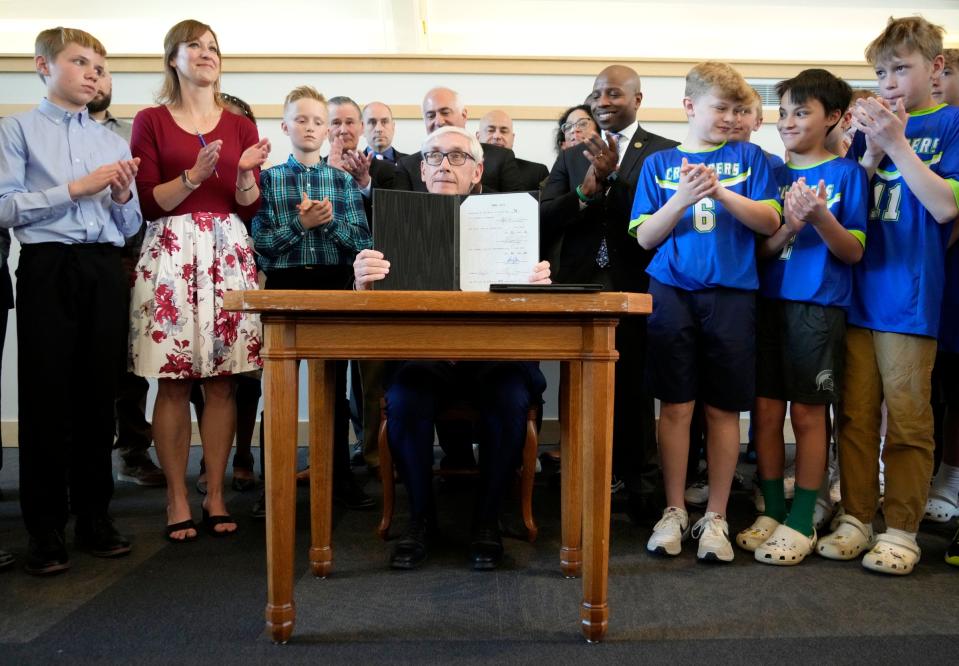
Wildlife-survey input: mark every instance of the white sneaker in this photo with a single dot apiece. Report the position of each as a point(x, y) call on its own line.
point(698, 493)
point(670, 532)
point(786, 547)
point(892, 554)
point(713, 534)
point(849, 540)
point(754, 535)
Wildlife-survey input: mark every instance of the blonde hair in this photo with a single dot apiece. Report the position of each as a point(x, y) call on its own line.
point(708, 76)
point(184, 31)
point(52, 41)
point(303, 92)
point(952, 57)
point(905, 35)
point(860, 93)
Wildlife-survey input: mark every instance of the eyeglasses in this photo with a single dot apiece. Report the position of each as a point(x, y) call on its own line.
point(580, 124)
point(455, 157)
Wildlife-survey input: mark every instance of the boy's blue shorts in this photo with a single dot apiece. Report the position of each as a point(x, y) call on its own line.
point(702, 346)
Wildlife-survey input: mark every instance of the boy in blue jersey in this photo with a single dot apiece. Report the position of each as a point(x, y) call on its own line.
point(805, 288)
point(943, 502)
point(700, 205)
point(910, 149)
point(750, 120)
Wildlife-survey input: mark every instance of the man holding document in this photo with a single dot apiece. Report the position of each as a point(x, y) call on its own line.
point(417, 390)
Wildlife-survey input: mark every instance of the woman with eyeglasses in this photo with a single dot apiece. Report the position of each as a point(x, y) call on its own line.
point(575, 126)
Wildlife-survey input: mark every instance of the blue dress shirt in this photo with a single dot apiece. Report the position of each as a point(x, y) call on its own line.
point(41, 152)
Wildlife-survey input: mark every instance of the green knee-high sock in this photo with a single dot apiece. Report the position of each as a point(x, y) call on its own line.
point(775, 496)
point(801, 512)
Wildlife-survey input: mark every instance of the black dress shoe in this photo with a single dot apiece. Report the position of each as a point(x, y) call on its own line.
point(6, 560)
point(486, 548)
point(410, 551)
point(100, 538)
point(47, 554)
point(259, 507)
point(348, 493)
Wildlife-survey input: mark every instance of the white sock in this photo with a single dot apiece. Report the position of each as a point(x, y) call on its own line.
point(946, 482)
point(892, 531)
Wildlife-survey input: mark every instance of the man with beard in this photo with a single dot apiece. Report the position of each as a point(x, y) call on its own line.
point(134, 433)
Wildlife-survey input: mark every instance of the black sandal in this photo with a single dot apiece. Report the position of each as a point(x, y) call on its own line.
point(210, 523)
point(179, 527)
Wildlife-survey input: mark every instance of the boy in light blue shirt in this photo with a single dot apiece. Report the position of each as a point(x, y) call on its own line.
point(67, 191)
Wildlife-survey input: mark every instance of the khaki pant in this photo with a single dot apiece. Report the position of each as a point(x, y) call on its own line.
point(897, 368)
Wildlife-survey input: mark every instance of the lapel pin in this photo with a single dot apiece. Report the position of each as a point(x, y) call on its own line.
point(638, 144)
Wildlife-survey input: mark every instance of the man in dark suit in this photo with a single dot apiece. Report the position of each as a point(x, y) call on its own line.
point(369, 173)
point(442, 107)
point(586, 205)
point(379, 128)
point(496, 129)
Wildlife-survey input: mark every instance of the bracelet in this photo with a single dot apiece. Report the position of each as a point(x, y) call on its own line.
point(246, 189)
point(582, 197)
point(189, 184)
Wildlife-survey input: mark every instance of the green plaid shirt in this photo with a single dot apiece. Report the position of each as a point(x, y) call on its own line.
point(281, 240)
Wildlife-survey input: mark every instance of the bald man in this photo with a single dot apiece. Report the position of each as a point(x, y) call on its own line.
point(586, 204)
point(442, 107)
point(496, 129)
point(379, 128)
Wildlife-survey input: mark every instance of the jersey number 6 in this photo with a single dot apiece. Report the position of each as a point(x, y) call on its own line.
point(704, 215)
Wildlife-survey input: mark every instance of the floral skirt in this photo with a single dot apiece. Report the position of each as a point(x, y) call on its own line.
point(178, 327)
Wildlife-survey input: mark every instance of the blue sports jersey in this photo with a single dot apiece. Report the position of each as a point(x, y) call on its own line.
point(806, 270)
point(949, 324)
point(897, 287)
point(775, 161)
point(708, 247)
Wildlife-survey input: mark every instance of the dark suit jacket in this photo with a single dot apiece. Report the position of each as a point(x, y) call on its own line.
point(532, 174)
point(581, 231)
point(382, 176)
point(396, 153)
point(500, 172)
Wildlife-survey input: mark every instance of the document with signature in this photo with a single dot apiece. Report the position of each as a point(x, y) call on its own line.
point(498, 239)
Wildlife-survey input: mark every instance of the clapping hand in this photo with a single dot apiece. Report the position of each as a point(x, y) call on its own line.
point(313, 213)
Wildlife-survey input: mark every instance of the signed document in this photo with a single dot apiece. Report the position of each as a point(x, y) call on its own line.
point(498, 239)
point(442, 242)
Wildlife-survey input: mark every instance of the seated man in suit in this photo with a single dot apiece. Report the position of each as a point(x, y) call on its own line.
point(369, 173)
point(496, 129)
point(379, 128)
point(417, 390)
point(442, 107)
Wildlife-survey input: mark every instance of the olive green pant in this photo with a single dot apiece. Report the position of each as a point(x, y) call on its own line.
point(896, 368)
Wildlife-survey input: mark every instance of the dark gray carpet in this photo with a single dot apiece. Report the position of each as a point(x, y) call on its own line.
point(205, 600)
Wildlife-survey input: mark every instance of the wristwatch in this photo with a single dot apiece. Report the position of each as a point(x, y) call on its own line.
point(190, 185)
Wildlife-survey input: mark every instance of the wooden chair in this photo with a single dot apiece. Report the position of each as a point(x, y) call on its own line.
point(462, 412)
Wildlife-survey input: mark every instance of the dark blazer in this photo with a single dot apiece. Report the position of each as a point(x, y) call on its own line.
point(580, 232)
point(532, 174)
point(396, 154)
point(382, 175)
point(500, 171)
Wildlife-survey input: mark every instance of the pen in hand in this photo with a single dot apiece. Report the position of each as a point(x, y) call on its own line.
point(203, 145)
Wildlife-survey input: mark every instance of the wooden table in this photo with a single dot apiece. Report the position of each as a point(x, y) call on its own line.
point(326, 326)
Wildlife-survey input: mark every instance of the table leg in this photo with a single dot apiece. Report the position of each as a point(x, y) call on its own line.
point(571, 461)
point(597, 473)
point(280, 408)
point(322, 399)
